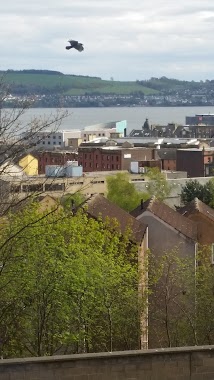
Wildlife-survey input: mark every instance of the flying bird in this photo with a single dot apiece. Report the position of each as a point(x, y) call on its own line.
point(76, 45)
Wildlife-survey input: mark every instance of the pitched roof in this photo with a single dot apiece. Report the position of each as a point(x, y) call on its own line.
point(99, 206)
point(183, 225)
point(197, 206)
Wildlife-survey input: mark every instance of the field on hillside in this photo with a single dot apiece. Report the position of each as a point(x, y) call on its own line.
point(72, 85)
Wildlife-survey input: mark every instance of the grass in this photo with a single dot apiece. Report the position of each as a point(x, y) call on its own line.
point(74, 85)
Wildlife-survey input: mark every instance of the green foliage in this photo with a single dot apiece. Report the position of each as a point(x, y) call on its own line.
point(70, 201)
point(182, 302)
point(193, 189)
point(157, 185)
point(67, 285)
point(208, 193)
point(123, 193)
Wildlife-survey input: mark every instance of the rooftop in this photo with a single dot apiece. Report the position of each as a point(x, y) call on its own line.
point(183, 225)
point(99, 206)
point(197, 206)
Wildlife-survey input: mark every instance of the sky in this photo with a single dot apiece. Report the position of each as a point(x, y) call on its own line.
point(124, 39)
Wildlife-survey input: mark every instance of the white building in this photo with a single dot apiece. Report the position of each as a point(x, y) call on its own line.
point(63, 138)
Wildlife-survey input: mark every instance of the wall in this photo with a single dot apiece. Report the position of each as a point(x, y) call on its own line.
point(205, 228)
point(189, 363)
point(191, 161)
point(163, 238)
point(174, 197)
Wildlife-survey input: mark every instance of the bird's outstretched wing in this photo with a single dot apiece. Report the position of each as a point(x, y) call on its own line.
point(73, 43)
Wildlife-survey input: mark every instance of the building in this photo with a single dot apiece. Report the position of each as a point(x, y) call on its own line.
point(29, 164)
point(54, 157)
point(88, 184)
point(104, 130)
point(203, 118)
point(52, 139)
point(168, 232)
point(167, 157)
point(203, 216)
point(110, 158)
point(197, 162)
point(73, 137)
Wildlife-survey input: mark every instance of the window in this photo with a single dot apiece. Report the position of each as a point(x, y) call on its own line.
point(54, 137)
point(59, 137)
point(212, 254)
point(48, 142)
point(59, 142)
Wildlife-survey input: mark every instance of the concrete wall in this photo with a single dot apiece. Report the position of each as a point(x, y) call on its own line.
point(190, 363)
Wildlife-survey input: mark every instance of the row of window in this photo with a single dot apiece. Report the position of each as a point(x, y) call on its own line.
point(54, 143)
point(103, 157)
point(45, 137)
point(103, 166)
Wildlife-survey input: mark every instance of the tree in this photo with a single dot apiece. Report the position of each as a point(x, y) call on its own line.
point(193, 189)
point(123, 193)
point(68, 284)
point(157, 184)
point(208, 193)
point(14, 142)
point(181, 306)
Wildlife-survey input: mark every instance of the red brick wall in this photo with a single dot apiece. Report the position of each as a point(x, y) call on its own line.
point(53, 158)
point(96, 159)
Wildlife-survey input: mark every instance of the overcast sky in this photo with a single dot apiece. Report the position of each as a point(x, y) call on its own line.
point(123, 39)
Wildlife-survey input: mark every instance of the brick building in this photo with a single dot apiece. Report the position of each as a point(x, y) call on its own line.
point(196, 162)
point(54, 158)
point(108, 158)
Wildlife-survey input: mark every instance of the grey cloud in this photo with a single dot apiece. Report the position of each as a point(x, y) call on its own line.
point(124, 39)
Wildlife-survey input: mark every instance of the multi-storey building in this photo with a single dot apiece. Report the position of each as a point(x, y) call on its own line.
point(54, 157)
point(51, 139)
point(108, 158)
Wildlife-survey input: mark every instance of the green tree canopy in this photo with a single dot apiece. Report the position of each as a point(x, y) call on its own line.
point(194, 189)
point(68, 284)
point(157, 185)
point(123, 193)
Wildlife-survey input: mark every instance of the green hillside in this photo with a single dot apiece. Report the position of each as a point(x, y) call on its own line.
point(49, 82)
